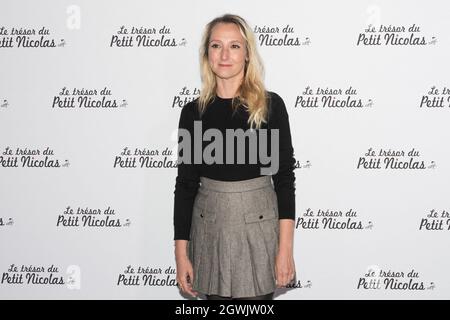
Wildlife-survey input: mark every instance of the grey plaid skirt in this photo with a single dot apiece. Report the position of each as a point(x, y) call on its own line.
point(234, 237)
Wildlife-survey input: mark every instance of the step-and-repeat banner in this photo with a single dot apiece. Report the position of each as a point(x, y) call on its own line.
point(90, 98)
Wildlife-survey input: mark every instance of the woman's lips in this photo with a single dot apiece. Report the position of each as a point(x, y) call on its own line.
point(224, 65)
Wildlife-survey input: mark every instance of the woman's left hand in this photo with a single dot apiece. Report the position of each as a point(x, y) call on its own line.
point(284, 268)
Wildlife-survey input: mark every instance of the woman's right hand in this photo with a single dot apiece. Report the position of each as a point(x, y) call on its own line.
point(185, 273)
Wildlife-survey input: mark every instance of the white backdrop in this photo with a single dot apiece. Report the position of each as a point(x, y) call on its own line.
point(89, 113)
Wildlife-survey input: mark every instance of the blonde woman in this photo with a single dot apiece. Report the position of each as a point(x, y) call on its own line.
point(234, 220)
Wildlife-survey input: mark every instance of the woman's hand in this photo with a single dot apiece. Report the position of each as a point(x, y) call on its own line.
point(185, 273)
point(284, 268)
point(284, 263)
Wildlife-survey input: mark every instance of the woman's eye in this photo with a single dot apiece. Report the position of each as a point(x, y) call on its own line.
point(235, 46)
point(214, 45)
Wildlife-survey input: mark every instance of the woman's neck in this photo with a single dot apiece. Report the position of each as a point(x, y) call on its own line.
point(227, 88)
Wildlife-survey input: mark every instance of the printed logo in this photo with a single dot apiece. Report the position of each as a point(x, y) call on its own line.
point(298, 165)
point(436, 99)
point(279, 36)
point(297, 284)
point(87, 99)
point(4, 103)
point(379, 279)
point(87, 217)
point(335, 98)
point(332, 220)
point(28, 37)
point(393, 159)
point(389, 35)
point(147, 276)
point(40, 275)
point(145, 37)
point(185, 96)
point(435, 221)
point(144, 158)
point(30, 158)
point(6, 222)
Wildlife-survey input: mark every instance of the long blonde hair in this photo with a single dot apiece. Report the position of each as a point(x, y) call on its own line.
point(251, 93)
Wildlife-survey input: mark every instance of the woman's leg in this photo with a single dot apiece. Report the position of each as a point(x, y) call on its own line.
point(268, 296)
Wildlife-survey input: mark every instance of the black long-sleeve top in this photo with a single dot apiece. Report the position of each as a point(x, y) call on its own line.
point(219, 115)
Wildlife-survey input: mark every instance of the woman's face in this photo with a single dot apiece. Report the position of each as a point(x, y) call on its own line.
point(227, 51)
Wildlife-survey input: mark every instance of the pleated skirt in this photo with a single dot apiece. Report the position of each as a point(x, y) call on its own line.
point(234, 237)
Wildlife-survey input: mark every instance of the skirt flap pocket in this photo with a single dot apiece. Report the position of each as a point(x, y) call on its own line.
point(268, 214)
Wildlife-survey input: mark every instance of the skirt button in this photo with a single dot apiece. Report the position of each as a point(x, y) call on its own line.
point(260, 216)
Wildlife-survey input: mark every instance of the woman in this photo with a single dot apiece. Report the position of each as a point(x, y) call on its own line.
point(233, 228)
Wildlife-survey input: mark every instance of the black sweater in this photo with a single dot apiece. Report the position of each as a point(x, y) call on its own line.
point(219, 115)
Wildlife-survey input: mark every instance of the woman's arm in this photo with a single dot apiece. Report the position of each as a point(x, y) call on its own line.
point(286, 240)
point(284, 264)
point(186, 187)
point(284, 185)
point(187, 180)
point(185, 272)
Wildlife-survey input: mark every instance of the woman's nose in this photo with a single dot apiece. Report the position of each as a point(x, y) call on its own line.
point(224, 53)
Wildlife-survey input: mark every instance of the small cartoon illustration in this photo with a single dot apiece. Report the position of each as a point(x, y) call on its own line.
point(369, 103)
point(124, 103)
point(432, 286)
point(66, 163)
point(306, 42)
point(62, 43)
point(74, 277)
point(433, 40)
point(308, 284)
point(4, 104)
point(308, 164)
point(10, 222)
point(432, 165)
point(127, 223)
point(182, 42)
point(369, 225)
